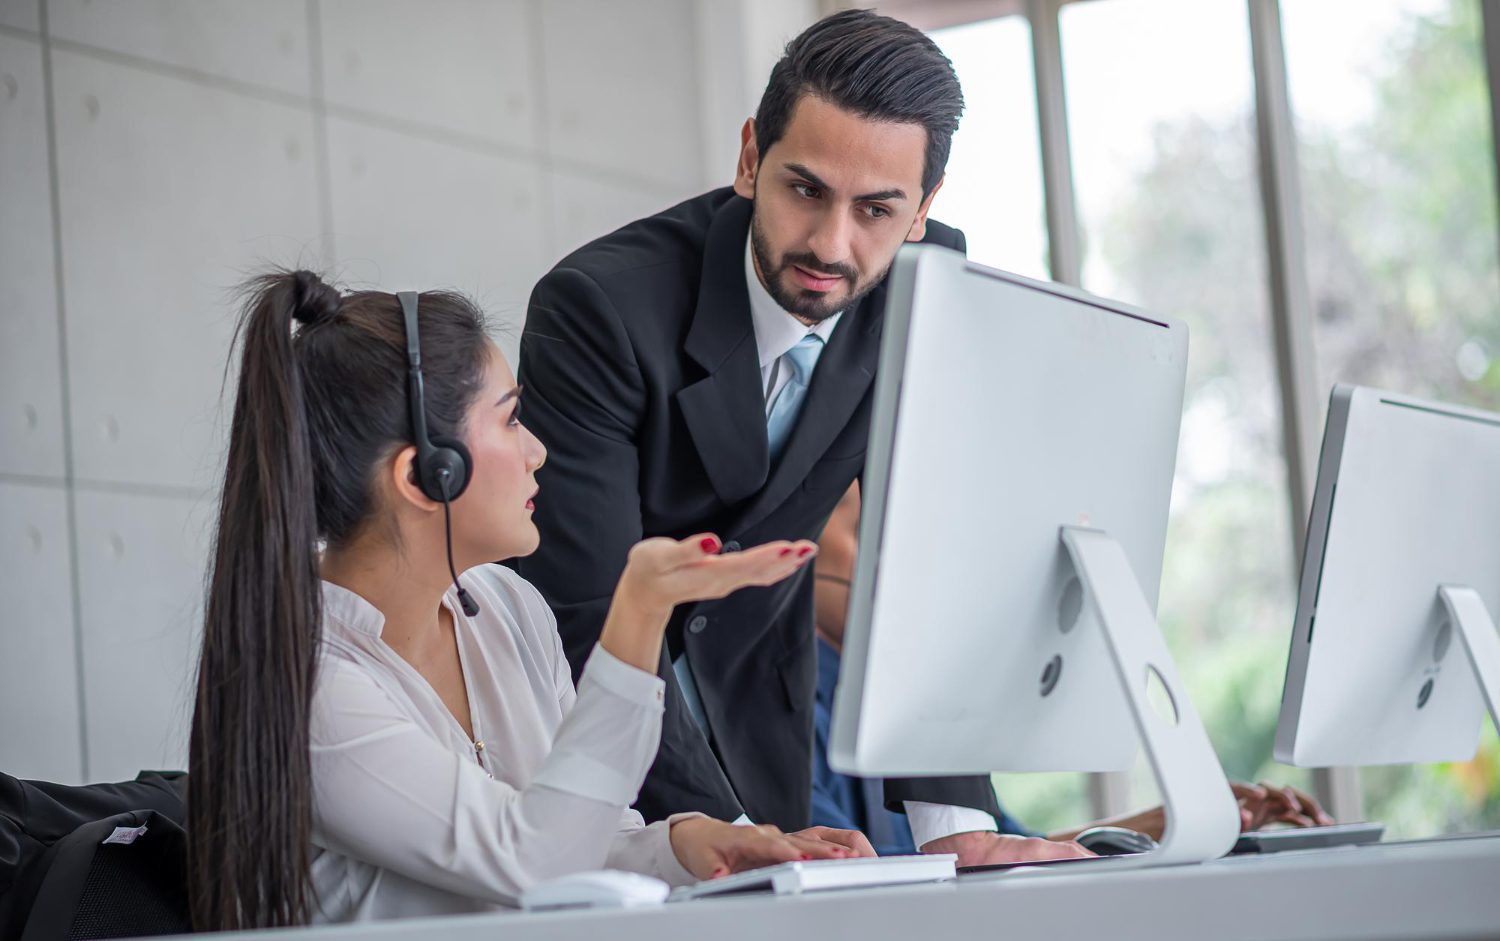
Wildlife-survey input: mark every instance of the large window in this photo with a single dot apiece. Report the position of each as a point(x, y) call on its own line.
point(1398, 183)
point(993, 190)
point(1397, 174)
point(1164, 160)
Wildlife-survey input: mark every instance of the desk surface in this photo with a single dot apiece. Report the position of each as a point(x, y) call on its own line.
point(1431, 890)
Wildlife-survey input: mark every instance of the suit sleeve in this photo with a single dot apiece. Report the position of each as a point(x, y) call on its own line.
point(584, 399)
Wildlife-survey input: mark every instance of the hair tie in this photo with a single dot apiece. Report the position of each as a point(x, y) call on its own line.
point(314, 301)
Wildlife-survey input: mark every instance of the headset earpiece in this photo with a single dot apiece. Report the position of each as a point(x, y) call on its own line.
point(448, 454)
point(443, 464)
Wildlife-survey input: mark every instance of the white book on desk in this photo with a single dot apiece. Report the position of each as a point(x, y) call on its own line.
point(820, 875)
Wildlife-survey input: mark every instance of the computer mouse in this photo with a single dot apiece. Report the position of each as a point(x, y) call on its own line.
point(599, 888)
point(1115, 841)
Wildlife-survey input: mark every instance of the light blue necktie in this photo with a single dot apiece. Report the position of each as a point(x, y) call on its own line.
point(689, 687)
point(788, 405)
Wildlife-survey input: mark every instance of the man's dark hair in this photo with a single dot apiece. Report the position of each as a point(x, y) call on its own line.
point(875, 67)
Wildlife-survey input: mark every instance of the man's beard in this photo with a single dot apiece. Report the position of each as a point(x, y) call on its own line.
point(809, 305)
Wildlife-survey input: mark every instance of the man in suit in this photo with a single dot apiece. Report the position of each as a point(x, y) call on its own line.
point(709, 369)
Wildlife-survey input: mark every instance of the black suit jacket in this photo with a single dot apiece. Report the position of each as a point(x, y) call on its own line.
point(642, 379)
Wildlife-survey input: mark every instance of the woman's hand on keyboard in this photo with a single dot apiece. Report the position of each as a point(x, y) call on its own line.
point(710, 849)
point(851, 840)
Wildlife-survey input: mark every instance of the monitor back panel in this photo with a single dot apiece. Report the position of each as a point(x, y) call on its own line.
point(1005, 409)
point(1408, 498)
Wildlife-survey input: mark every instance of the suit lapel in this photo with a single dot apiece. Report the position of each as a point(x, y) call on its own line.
point(725, 410)
point(840, 380)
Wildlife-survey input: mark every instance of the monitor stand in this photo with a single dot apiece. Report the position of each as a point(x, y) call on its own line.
point(1202, 814)
point(1472, 622)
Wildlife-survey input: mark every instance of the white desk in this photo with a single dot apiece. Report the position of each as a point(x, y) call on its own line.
point(1435, 890)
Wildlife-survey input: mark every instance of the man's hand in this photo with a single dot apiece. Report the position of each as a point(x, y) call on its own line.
point(984, 848)
point(1265, 803)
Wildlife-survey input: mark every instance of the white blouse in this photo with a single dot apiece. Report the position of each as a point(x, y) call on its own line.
point(411, 817)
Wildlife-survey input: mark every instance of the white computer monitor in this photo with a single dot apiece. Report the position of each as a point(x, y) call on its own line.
point(1400, 581)
point(1014, 515)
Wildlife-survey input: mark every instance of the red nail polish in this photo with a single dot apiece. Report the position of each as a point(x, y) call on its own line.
point(785, 552)
point(805, 856)
point(710, 545)
point(804, 551)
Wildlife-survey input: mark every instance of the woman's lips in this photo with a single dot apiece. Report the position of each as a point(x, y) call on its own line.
point(810, 281)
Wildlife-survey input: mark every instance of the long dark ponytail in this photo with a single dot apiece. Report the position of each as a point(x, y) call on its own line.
point(320, 401)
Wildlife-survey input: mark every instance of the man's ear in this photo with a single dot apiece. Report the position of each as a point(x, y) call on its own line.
point(401, 478)
point(744, 171)
point(919, 224)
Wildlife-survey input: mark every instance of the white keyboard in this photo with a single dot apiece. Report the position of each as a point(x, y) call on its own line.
point(820, 875)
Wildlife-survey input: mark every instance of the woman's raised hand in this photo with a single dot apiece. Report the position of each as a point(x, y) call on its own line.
point(662, 573)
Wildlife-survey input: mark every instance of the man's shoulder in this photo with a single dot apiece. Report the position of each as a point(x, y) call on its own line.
point(947, 236)
point(669, 241)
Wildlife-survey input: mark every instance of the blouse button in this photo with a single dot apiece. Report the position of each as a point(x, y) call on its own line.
point(479, 746)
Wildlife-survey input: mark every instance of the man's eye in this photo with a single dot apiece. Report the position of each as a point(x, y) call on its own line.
point(515, 417)
point(805, 191)
point(877, 212)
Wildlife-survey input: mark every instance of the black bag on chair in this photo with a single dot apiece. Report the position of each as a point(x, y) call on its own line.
point(97, 861)
point(121, 877)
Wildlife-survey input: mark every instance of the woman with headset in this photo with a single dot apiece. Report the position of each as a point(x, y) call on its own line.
point(386, 725)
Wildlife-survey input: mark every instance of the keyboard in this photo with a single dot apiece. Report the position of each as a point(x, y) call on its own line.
point(1275, 841)
point(821, 875)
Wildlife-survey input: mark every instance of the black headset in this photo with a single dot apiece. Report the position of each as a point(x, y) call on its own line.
point(443, 464)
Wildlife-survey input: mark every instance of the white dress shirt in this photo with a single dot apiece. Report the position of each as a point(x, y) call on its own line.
point(411, 817)
point(776, 332)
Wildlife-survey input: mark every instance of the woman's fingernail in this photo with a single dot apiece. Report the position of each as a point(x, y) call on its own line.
point(802, 553)
point(710, 545)
point(805, 856)
point(718, 873)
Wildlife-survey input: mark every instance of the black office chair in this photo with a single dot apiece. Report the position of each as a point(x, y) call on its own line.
point(116, 876)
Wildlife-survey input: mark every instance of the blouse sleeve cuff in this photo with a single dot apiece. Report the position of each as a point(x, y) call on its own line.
point(622, 679)
point(668, 868)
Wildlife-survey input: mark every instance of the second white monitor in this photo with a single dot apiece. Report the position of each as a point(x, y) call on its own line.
point(1407, 503)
